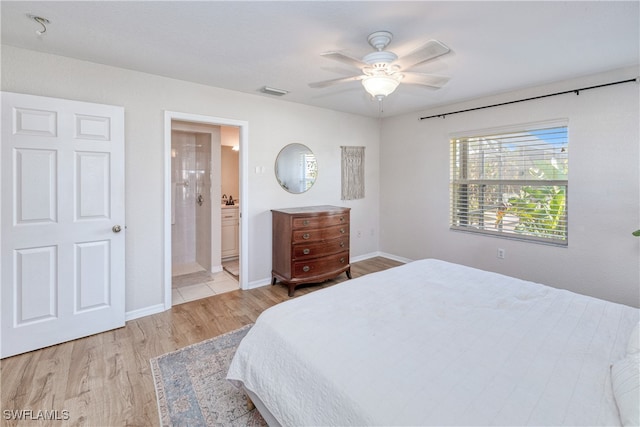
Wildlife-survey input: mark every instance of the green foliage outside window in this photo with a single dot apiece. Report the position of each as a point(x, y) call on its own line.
point(541, 210)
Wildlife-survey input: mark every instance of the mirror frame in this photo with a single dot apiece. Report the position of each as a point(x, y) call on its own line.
point(280, 159)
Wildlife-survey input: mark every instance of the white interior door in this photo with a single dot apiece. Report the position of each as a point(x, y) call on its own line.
point(62, 221)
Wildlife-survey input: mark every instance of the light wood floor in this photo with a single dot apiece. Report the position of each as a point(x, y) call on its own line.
point(105, 379)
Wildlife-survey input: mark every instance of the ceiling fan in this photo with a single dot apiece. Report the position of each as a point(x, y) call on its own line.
point(382, 70)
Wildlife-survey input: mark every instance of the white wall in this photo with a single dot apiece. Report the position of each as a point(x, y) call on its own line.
point(406, 192)
point(273, 123)
point(602, 258)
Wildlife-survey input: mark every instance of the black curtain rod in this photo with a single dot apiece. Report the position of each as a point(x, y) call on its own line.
point(576, 91)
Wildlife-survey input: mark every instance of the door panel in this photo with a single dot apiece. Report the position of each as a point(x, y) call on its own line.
point(35, 184)
point(36, 285)
point(92, 275)
point(92, 186)
point(62, 178)
point(93, 127)
point(35, 122)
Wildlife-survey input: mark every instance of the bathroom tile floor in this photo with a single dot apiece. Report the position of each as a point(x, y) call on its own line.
point(196, 283)
point(232, 266)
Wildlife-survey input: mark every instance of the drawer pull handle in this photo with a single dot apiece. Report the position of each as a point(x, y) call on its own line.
point(342, 231)
point(342, 244)
point(305, 222)
point(342, 260)
point(306, 268)
point(305, 236)
point(306, 251)
point(341, 219)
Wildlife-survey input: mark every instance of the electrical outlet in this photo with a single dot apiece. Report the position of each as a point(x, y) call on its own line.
point(359, 233)
point(501, 253)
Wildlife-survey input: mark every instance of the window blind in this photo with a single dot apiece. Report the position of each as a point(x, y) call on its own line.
point(511, 184)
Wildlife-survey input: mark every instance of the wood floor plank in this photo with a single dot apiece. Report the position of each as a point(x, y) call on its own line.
point(106, 379)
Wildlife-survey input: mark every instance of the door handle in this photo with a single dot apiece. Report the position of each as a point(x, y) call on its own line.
point(116, 229)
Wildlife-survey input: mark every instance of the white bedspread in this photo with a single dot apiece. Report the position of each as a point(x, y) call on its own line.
point(435, 343)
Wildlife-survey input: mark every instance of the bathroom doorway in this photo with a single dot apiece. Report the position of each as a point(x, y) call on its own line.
point(203, 239)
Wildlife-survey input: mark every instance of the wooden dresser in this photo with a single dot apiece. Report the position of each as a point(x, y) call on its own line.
point(310, 245)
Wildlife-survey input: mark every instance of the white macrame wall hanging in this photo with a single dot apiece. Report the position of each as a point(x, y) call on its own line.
point(352, 173)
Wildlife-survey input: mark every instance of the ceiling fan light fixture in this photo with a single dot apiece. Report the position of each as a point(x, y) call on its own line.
point(380, 86)
point(382, 71)
point(382, 58)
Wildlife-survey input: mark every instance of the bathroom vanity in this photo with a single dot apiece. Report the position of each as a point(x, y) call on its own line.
point(230, 231)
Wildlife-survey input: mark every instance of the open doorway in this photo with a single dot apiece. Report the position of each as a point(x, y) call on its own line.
point(205, 197)
point(204, 236)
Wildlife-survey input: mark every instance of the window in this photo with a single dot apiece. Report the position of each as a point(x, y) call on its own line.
point(309, 170)
point(512, 184)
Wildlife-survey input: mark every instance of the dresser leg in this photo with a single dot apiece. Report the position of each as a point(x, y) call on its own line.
point(273, 281)
point(349, 273)
point(292, 288)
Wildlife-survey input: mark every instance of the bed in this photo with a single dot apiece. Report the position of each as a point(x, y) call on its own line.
point(436, 343)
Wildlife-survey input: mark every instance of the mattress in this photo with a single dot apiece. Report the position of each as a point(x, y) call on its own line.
point(436, 343)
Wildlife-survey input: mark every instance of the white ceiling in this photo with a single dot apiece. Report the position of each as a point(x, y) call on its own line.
point(243, 46)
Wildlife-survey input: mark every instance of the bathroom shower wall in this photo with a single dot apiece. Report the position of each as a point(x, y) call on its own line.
point(192, 211)
point(203, 200)
point(183, 226)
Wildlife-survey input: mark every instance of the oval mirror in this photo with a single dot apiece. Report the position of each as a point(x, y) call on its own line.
point(296, 168)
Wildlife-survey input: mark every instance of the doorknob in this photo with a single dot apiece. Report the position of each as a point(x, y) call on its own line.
point(116, 228)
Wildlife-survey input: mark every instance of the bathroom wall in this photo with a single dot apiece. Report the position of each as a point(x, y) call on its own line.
point(196, 230)
point(183, 226)
point(204, 236)
point(230, 138)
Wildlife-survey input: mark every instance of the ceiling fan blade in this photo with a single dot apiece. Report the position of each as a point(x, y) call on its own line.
point(346, 59)
point(332, 82)
point(424, 79)
point(432, 49)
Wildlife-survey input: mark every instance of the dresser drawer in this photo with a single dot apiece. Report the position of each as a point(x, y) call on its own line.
point(320, 234)
point(318, 249)
point(320, 221)
point(314, 267)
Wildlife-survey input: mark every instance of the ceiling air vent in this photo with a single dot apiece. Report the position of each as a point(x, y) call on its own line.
point(273, 91)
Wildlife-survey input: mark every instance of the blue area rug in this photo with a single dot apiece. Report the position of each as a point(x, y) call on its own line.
point(192, 388)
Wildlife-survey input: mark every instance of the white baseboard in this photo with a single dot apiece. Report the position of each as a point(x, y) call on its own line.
point(159, 308)
point(142, 312)
point(258, 283)
point(267, 281)
point(380, 254)
point(394, 257)
point(363, 257)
